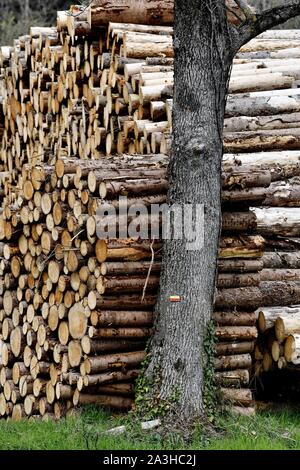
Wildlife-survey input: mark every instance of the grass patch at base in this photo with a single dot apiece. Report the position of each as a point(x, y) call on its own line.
point(273, 430)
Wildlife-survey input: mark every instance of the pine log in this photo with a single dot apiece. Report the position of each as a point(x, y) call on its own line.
point(233, 333)
point(253, 195)
point(283, 164)
point(238, 221)
point(238, 280)
point(277, 351)
point(257, 123)
point(267, 362)
point(285, 326)
point(120, 284)
point(237, 396)
point(274, 293)
point(241, 247)
point(241, 361)
point(77, 321)
point(96, 346)
point(113, 361)
point(236, 379)
point(238, 347)
point(125, 318)
point(153, 12)
point(280, 275)
point(233, 318)
point(74, 353)
point(131, 187)
point(108, 377)
point(268, 316)
point(116, 402)
point(242, 265)
point(121, 389)
point(129, 302)
point(119, 332)
point(281, 260)
point(126, 249)
point(264, 140)
point(243, 178)
point(292, 348)
point(263, 103)
point(283, 194)
point(279, 221)
point(138, 267)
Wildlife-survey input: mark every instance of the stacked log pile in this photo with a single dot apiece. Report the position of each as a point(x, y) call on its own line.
point(76, 311)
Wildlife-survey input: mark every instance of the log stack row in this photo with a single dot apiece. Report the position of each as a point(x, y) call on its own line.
point(278, 346)
point(76, 311)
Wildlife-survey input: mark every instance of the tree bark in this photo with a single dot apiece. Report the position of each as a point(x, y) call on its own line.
point(195, 178)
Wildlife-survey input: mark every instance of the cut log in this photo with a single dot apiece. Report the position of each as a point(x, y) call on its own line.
point(263, 140)
point(242, 265)
point(292, 349)
point(77, 321)
point(141, 267)
point(236, 379)
point(108, 377)
point(274, 293)
point(119, 332)
point(277, 351)
point(237, 396)
point(74, 353)
point(283, 194)
point(126, 318)
point(281, 260)
point(153, 12)
point(238, 347)
point(257, 123)
point(233, 178)
point(283, 164)
point(113, 361)
point(241, 247)
point(280, 275)
point(239, 280)
point(286, 326)
point(95, 346)
point(129, 302)
point(120, 284)
point(241, 361)
point(117, 402)
point(242, 411)
point(268, 316)
point(232, 333)
point(234, 318)
point(279, 221)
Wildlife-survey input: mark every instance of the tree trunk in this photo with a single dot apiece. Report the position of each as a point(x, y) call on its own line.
point(201, 77)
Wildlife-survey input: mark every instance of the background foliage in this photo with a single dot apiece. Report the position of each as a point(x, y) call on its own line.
point(263, 4)
point(16, 16)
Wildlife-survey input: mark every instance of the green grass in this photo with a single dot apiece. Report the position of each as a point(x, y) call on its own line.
point(272, 430)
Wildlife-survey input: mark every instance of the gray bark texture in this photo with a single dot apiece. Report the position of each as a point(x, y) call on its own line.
point(204, 45)
point(202, 66)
